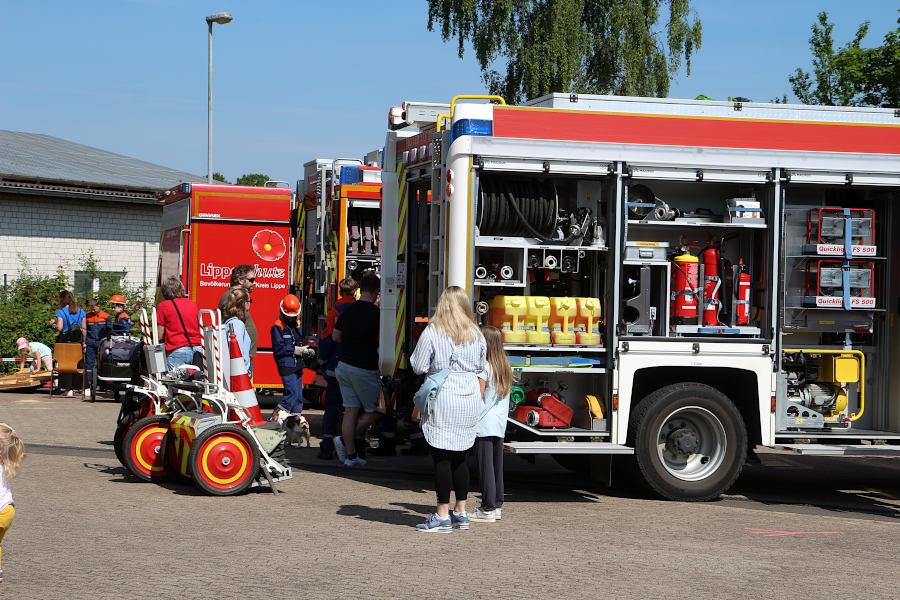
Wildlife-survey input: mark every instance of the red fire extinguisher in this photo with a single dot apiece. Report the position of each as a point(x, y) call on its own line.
point(712, 284)
point(685, 285)
point(742, 302)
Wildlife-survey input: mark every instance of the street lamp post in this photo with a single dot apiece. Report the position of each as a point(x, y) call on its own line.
point(221, 18)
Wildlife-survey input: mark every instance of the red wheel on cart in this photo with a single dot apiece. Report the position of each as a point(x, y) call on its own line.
point(142, 448)
point(223, 460)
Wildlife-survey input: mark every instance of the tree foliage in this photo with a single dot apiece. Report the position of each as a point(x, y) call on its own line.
point(219, 177)
point(586, 46)
point(851, 75)
point(257, 179)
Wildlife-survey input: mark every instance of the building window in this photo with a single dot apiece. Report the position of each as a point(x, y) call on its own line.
point(87, 286)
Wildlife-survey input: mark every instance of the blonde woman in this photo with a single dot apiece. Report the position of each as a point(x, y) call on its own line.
point(451, 339)
point(236, 309)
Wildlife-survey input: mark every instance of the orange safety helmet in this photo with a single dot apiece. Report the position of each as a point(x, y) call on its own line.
point(290, 305)
point(117, 299)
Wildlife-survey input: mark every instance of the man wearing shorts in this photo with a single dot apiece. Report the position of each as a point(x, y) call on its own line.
point(357, 372)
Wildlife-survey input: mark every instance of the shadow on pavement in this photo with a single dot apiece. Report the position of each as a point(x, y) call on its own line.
point(407, 515)
point(869, 487)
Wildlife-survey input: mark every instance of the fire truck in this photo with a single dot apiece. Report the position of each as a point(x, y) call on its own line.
point(207, 229)
point(338, 230)
point(677, 281)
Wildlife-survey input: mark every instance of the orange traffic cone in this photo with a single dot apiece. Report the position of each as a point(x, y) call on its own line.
point(240, 382)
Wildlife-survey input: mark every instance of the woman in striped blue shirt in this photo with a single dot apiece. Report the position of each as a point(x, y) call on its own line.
point(449, 427)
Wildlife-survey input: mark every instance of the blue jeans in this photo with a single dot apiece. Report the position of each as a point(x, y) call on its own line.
point(181, 356)
point(293, 393)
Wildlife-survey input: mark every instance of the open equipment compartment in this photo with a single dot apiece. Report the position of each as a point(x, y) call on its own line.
point(839, 342)
point(696, 256)
point(550, 230)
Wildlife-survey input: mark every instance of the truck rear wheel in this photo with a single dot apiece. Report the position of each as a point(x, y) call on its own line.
point(690, 441)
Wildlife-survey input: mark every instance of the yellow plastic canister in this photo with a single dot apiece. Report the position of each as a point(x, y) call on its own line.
point(538, 331)
point(508, 315)
point(587, 323)
point(562, 320)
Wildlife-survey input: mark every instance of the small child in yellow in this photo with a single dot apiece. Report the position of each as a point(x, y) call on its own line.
point(12, 452)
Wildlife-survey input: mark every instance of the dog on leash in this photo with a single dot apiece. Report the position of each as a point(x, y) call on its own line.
point(297, 432)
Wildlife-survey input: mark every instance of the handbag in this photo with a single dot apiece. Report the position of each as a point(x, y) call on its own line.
point(424, 398)
point(197, 359)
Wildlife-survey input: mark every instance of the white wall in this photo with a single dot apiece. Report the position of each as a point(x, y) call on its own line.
point(51, 232)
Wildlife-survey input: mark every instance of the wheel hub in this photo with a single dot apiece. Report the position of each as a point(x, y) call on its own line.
point(691, 443)
point(683, 442)
point(226, 461)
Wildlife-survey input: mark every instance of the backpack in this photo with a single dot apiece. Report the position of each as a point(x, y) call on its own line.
point(424, 398)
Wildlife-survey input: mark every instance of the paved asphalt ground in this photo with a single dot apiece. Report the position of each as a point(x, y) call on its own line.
point(792, 528)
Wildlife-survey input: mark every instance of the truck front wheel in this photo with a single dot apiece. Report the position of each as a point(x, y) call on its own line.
point(690, 441)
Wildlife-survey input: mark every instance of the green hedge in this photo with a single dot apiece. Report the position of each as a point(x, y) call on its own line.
point(29, 301)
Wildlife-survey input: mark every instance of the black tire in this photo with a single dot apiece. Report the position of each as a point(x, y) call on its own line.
point(693, 465)
point(93, 385)
point(170, 457)
point(142, 455)
point(201, 473)
point(119, 439)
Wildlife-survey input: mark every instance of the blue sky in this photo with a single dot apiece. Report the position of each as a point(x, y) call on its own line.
point(295, 80)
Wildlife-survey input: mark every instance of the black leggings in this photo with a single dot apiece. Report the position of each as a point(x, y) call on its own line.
point(451, 471)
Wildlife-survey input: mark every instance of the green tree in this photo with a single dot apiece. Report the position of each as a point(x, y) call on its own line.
point(851, 75)
point(219, 177)
point(586, 46)
point(257, 179)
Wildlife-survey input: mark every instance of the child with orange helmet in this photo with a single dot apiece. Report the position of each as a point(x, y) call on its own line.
point(288, 350)
point(119, 322)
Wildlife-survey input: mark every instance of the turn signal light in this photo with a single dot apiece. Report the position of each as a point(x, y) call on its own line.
point(449, 176)
point(774, 402)
point(615, 402)
point(449, 190)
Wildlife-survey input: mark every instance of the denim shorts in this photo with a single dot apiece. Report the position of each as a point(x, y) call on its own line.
point(360, 388)
point(181, 356)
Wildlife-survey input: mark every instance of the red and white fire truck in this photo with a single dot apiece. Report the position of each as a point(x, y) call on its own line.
point(677, 280)
point(208, 229)
point(338, 232)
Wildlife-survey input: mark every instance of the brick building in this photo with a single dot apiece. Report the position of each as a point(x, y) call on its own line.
point(59, 200)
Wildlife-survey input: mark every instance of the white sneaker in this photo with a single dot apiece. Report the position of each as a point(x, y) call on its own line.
point(483, 516)
point(87, 392)
point(340, 449)
point(70, 394)
point(497, 513)
point(354, 462)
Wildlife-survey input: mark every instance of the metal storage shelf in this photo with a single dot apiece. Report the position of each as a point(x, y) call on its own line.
point(821, 308)
point(537, 348)
point(559, 431)
point(530, 243)
point(558, 370)
point(632, 223)
point(833, 257)
point(500, 284)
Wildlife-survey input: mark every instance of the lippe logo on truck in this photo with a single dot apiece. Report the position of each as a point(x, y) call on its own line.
point(269, 245)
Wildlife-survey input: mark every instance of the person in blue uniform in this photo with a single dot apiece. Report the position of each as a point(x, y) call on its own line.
point(287, 349)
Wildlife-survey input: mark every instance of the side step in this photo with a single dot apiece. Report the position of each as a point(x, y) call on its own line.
point(566, 448)
point(840, 449)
